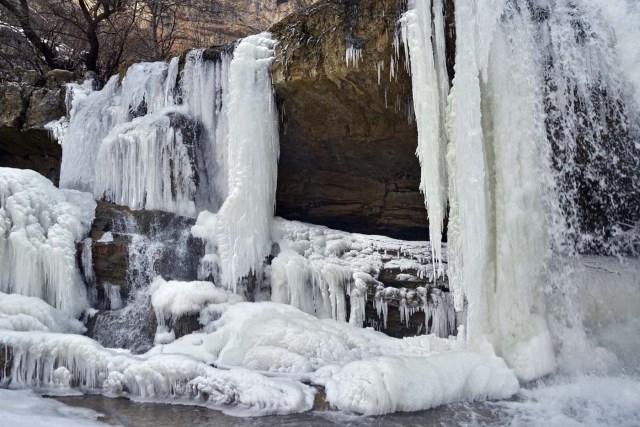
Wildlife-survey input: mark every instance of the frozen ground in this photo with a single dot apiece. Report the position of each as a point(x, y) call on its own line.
point(24, 408)
point(559, 401)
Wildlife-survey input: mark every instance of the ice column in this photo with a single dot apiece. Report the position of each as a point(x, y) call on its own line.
point(244, 220)
point(430, 89)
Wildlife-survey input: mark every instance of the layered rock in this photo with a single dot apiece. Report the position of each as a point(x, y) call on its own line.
point(111, 256)
point(28, 102)
point(347, 137)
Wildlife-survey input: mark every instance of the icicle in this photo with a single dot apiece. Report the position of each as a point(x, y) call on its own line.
point(430, 89)
point(353, 56)
point(379, 68)
point(358, 298)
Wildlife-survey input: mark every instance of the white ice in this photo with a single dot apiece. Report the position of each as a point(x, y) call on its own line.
point(40, 226)
point(244, 220)
point(425, 47)
point(24, 408)
point(173, 299)
point(131, 154)
point(55, 361)
point(22, 313)
point(146, 164)
point(364, 370)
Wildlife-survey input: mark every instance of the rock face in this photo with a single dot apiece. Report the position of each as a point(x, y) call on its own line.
point(175, 253)
point(127, 250)
point(347, 137)
point(28, 102)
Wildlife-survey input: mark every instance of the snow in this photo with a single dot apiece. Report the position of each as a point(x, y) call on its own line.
point(363, 370)
point(158, 377)
point(39, 228)
point(266, 326)
point(390, 384)
point(23, 408)
point(22, 313)
point(173, 299)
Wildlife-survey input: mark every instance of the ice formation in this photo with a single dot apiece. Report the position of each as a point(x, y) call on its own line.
point(353, 56)
point(22, 313)
point(521, 70)
point(509, 147)
point(389, 374)
point(173, 299)
point(244, 220)
point(147, 163)
point(402, 383)
point(315, 268)
point(39, 360)
point(145, 142)
point(39, 228)
point(423, 37)
point(24, 408)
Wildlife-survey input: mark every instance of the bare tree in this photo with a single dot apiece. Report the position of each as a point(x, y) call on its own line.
point(98, 35)
point(21, 12)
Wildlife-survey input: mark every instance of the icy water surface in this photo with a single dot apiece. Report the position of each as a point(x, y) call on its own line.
point(582, 401)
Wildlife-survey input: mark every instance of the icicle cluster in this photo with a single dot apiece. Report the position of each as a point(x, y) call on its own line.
point(146, 142)
point(353, 56)
point(39, 228)
point(423, 38)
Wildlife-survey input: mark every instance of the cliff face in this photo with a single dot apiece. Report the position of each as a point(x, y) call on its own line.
point(234, 19)
point(27, 103)
point(347, 137)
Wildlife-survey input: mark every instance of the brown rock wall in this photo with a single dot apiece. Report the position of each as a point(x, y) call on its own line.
point(347, 142)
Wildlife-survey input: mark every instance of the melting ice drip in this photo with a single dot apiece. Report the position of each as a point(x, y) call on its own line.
point(543, 126)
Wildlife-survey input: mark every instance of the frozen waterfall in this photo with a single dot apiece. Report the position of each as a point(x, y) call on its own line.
point(538, 176)
point(155, 140)
point(40, 226)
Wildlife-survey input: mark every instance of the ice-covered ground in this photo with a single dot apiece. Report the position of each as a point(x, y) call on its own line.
point(24, 408)
point(558, 402)
point(261, 353)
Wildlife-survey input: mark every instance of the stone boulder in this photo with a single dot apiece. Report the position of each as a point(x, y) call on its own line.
point(27, 102)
